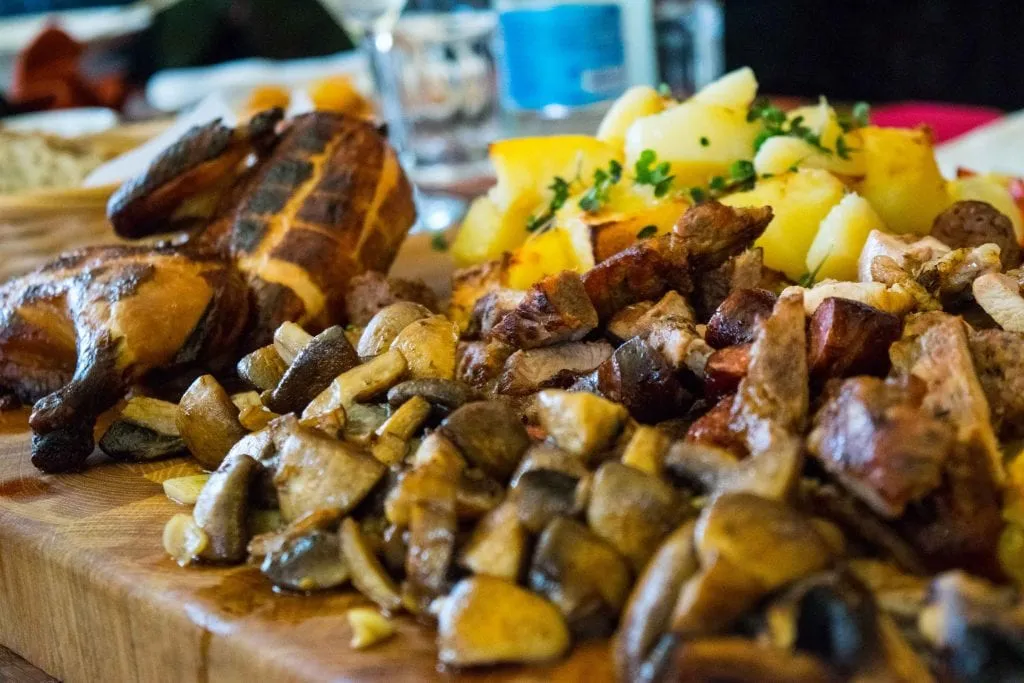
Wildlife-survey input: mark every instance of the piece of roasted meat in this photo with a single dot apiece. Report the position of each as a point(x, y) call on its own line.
point(287, 213)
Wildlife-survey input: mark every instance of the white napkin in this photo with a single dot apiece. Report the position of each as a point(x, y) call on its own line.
point(997, 147)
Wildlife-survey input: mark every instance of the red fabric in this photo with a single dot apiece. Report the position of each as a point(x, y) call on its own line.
point(947, 121)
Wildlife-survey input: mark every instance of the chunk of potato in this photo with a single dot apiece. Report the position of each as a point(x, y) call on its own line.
point(782, 153)
point(488, 230)
point(736, 89)
point(991, 189)
point(841, 238)
point(800, 200)
point(528, 165)
point(547, 253)
point(699, 139)
point(630, 209)
point(902, 179)
point(636, 103)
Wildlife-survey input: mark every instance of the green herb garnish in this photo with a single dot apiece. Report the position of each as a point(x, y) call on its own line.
point(859, 117)
point(657, 176)
point(438, 242)
point(697, 194)
point(743, 175)
point(561, 189)
point(647, 231)
point(665, 90)
point(774, 123)
point(704, 142)
point(597, 195)
point(807, 279)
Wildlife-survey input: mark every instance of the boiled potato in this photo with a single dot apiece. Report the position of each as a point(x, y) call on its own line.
point(800, 201)
point(992, 189)
point(630, 209)
point(736, 90)
point(545, 254)
point(636, 103)
point(783, 153)
point(902, 180)
point(488, 231)
point(841, 238)
point(704, 135)
point(529, 165)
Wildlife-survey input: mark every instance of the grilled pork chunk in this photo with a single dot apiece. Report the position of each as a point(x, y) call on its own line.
point(372, 291)
point(556, 309)
point(850, 338)
point(999, 359)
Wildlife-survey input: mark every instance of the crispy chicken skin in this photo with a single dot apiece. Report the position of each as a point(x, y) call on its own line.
point(324, 200)
point(76, 334)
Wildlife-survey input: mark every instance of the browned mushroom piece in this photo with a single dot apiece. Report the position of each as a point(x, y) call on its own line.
point(319, 362)
point(738, 660)
point(541, 495)
point(208, 422)
point(582, 575)
point(368, 575)
point(528, 371)
point(850, 338)
point(317, 472)
point(972, 224)
point(638, 377)
point(370, 292)
point(700, 466)
point(555, 310)
point(875, 437)
point(489, 434)
point(382, 329)
point(308, 561)
point(649, 609)
point(724, 370)
point(580, 423)
point(486, 620)
point(633, 511)
point(222, 508)
point(999, 360)
point(976, 626)
point(433, 523)
point(263, 368)
point(445, 395)
point(499, 545)
point(435, 475)
point(735, 320)
point(145, 429)
point(546, 456)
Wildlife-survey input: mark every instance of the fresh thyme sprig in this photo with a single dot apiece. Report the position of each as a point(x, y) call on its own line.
point(597, 195)
point(561, 188)
point(647, 171)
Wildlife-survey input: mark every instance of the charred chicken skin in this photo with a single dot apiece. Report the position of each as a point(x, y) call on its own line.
point(287, 214)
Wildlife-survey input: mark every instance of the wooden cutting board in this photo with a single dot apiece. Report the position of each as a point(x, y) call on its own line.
point(87, 594)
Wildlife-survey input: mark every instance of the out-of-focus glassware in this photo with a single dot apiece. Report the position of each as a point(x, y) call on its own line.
point(372, 23)
point(447, 82)
point(691, 51)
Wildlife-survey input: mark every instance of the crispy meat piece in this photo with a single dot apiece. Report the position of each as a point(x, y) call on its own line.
point(555, 310)
point(529, 370)
point(724, 370)
point(879, 442)
point(974, 223)
point(999, 359)
point(949, 277)
point(471, 284)
point(370, 292)
point(735, 321)
point(639, 319)
point(743, 271)
point(479, 363)
point(713, 232)
point(999, 296)
point(850, 338)
point(712, 429)
point(490, 309)
point(643, 272)
point(893, 299)
point(888, 272)
point(899, 248)
point(639, 378)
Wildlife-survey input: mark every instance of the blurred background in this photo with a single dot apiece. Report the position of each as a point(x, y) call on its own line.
point(450, 76)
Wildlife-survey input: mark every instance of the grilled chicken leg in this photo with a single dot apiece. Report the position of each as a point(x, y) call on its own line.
point(76, 334)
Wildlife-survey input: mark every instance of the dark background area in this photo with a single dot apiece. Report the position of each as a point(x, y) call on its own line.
point(881, 50)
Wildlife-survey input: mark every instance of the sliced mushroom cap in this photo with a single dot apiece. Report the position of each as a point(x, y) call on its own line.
point(222, 509)
point(545, 456)
point(429, 346)
point(486, 620)
point(308, 562)
point(289, 339)
point(263, 368)
point(498, 546)
point(368, 576)
point(580, 423)
point(361, 383)
point(582, 575)
point(383, 327)
point(316, 472)
point(542, 495)
point(208, 422)
point(769, 540)
point(445, 395)
point(145, 430)
point(325, 357)
point(739, 660)
point(633, 511)
point(489, 434)
point(650, 604)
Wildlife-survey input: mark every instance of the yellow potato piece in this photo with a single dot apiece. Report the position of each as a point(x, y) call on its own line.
point(544, 254)
point(736, 89)
point(800, 201)
point(902, 179)
point(488, 231)
point(782, 153)
point(636, 103)
point(841, 238)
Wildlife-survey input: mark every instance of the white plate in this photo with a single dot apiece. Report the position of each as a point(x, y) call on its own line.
point(67, 123)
